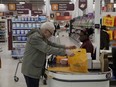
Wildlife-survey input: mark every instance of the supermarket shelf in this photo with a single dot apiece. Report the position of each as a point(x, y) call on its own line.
point(23, 28)
point(2, 21)
point(2, 34)
point(18, 56)
point(2, 30)
point(19, 41)
point(43, 21)
point(28, 21)
point(2, 40)
point(20, 27)
point(25, 21)
point(19, 34)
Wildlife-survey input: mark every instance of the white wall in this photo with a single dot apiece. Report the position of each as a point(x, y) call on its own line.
point(89, 6)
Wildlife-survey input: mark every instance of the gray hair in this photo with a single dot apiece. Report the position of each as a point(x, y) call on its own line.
point(47, 26)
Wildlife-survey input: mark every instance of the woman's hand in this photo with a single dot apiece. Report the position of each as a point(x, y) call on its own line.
point(69, 53)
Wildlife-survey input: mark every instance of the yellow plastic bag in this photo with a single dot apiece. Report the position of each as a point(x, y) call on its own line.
point(79, 63)
point(110, 34)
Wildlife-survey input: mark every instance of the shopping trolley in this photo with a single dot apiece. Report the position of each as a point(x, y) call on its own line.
point(20, 58)
point(16, 79)
point(19, 51)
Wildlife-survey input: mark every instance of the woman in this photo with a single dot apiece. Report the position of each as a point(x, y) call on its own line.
point(104, 38)
point(86, 43)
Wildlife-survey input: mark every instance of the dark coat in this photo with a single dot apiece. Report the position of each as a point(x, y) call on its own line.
point(104, 40)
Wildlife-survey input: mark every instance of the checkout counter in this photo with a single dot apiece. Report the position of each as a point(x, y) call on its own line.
point(63, 77)
point(58, 78)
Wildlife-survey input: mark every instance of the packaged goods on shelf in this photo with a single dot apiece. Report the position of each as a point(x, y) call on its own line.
point(20, 27)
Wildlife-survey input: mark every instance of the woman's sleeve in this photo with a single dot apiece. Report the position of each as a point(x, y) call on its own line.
point(43, 46)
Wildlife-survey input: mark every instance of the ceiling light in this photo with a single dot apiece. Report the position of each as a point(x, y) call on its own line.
point(21, 2)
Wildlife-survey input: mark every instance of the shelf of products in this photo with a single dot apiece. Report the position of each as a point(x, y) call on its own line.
point(17, 30)
point(110, 22)
point(80, 23)
point(2, 30)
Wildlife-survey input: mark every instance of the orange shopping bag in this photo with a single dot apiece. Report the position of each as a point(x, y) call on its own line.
point(79, 62)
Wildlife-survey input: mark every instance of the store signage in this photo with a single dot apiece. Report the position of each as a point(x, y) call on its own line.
point(58, 13)
point(62, 7)
point(52, 15)
point(82, 4)
point(66, 13)
point(108, 21)
point(12, 7)
point(62, 14)
point(36, 12)
point(63, 17)
point(24, 6)
point(23, 11)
